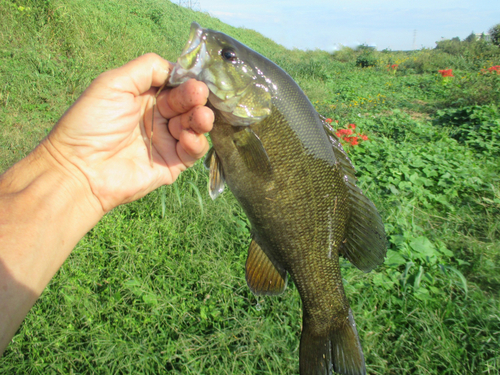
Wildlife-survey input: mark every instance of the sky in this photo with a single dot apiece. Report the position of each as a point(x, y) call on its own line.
point(328, 24)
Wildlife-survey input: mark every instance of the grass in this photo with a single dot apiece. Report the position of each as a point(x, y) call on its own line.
point(158, 285)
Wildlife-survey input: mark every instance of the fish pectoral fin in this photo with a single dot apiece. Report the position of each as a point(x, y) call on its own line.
point(252, 150)
point(365, 244)
point(262, 276)
point(216, 174)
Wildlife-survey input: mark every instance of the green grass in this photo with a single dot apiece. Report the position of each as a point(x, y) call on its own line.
point(159, 283)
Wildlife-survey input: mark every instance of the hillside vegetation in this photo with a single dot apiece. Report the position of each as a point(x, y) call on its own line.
point(158, 285)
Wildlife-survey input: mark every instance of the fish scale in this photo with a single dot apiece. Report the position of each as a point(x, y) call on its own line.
point(288, 171)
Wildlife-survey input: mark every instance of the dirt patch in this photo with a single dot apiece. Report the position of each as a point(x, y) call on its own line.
point(413, 114)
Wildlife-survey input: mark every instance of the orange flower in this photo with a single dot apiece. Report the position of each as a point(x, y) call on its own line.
point(329, 120)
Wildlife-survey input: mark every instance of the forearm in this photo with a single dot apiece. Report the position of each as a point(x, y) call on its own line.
point(45, 209)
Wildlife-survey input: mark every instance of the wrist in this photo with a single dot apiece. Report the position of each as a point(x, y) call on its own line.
point(69, 176)
point(45, 170)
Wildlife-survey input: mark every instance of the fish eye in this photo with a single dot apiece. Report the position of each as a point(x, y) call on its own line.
point(228, 54)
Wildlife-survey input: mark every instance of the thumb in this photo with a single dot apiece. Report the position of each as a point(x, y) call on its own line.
point(139, 75)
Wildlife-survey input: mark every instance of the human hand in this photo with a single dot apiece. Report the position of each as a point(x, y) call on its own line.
point(105, 134)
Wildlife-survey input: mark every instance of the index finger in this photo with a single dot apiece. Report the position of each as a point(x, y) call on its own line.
point(181, 99)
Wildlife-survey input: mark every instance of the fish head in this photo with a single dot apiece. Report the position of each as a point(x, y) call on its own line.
point(238, 88)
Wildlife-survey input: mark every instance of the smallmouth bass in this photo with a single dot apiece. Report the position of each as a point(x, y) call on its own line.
point(288, 170)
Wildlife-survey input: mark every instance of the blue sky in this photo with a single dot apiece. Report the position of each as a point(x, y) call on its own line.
point(326, 24)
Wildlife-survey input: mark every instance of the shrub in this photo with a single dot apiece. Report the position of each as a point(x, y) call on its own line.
point(366, 59)
point(345, 54)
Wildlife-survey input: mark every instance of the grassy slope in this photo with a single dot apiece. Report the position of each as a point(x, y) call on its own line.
point(142, 292)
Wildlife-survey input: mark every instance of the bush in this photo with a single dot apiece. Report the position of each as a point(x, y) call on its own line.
point(366, 59)
point(345, 54)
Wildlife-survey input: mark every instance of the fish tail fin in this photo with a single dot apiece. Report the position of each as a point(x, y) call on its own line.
point(338, 350)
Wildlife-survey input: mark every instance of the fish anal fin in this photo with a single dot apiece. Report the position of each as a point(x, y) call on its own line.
point(252, 151)
point(338, 350)
point(216, 174)
point(262, 276)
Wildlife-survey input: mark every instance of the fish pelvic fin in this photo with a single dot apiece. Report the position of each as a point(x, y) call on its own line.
point(216, 174)
point(365, 244)
point(338, 351)
point(262, 276)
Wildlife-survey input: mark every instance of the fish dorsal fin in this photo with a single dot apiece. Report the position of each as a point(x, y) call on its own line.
point(262, 276)
point(216, 174)
point(365, 244)
point(252, 150)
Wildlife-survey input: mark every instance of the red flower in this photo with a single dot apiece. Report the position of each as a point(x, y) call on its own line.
point(495, 68)
point(349, 136)
point(446, 72)
point(329, 120)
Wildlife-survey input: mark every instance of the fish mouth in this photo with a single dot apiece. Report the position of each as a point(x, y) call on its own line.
point(193, 59)
point(240, 94)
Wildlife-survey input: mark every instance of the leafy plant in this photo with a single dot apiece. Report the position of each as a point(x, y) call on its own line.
point(475, 126)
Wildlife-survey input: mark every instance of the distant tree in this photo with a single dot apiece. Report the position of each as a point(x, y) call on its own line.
point(453, 46)
point(471, 38)
point(495, 34)
point(365, 48)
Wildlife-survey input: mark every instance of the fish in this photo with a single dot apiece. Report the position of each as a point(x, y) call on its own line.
point(288, 170)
